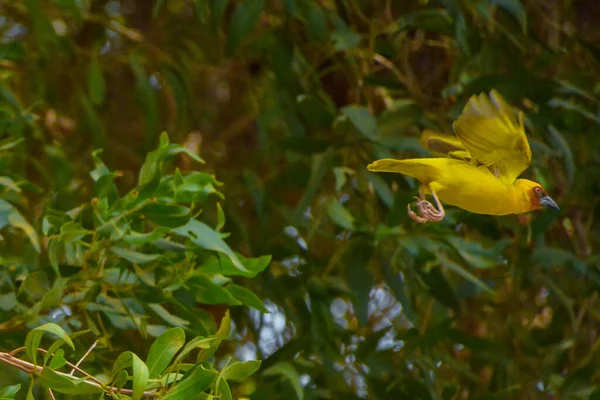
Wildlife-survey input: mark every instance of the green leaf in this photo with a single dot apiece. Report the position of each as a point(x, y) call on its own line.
point(30, 390)
point(9, 184)
point(217, 8)
point(96, 83)
point(36, 284)
point(396, 284)
point(474, 253)
point(339, 214)
point(206, 353)
point(34, 337)
point(595, 395)
point(121, 379)
point(9, 392)
point(345, 39)
point(9, 143)
point(207, 238)
point(247, 297)
point(92, 122)
point(464, 273)
point(438, 287)
point(356, 259)
point(256, 188)
point(222, 264)
point(66, 384)
point(239, 371)
point(54, 296)
point(12, 51)
point(136, 239)
point(9, 215)
point(199, 342)
point(563, 147)
point(515, 8)
point(167, 215)
point(152, 167)
point(56, 346)
point(72, 232)
point(243, 20)
point(157, 6)
point(195, 383)
point(140, 372)
point(431, 20)
point(58, 360)
point(316, 21)
point(167, 316)
point(318, 115)
point(72, 7)
point(43, 32)
point(320, 165)
point(565, 104)
point(163, 350)
point(146, 97)
point(225, 327)
point(134, 256)
point(8, 301)
point(287, 371)
point(208, 292)
point(381, 187)
point(223, 390)
point(362, 120)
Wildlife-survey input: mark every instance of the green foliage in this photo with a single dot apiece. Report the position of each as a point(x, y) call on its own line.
point(264, 205)
point(162, 375)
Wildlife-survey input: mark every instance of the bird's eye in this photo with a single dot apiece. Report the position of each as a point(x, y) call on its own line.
point(538, 191)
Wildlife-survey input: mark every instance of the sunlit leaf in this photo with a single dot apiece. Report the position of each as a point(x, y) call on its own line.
point(9, 392)
point(247, 297)
point(196, 382)
point(207, 238)
point(65, 383)
point(163, 350)
point(140, 372)
point(34, 337)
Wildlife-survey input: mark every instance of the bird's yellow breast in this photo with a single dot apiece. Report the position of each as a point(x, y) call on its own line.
point(477, 190)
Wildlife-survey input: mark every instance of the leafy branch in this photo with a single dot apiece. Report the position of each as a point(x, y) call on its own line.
point(164, 374)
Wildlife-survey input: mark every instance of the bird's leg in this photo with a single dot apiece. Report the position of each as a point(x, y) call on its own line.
point(414, 216)
point(427, 210)
point(422, 211)
point(430, 212)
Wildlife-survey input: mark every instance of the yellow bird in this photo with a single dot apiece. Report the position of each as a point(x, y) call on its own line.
point(479, 167)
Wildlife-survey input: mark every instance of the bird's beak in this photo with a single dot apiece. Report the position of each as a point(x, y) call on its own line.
point(547, 201)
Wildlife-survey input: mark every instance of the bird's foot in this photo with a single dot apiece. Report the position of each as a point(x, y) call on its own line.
point(427, 210)
point(415, 217)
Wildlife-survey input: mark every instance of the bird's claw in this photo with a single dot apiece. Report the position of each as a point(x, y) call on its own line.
point(427, 210)
point(414, 216)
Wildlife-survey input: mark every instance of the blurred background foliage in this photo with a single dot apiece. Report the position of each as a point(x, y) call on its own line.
point(287, 101)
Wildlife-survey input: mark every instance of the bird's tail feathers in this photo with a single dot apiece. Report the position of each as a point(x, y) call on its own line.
point(422, 169)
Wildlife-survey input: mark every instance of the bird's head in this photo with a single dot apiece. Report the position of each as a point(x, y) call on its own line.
point(536, 196)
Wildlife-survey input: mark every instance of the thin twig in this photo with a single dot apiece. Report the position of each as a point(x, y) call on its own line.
point(75, 367)
point(30, 368)
point(51, 394)
point(87, 353)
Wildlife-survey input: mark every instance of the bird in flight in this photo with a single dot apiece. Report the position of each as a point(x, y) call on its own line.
point(478, 169)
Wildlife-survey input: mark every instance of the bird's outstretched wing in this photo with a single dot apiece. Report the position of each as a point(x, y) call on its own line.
point(492, 135)
point(442, 145)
